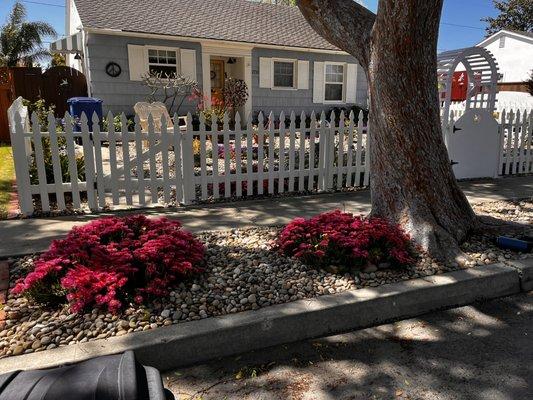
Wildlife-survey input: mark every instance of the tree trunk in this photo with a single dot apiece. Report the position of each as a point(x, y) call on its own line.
point(411, 179)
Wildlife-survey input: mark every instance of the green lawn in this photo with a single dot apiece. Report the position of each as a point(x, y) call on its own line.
point(7, 174)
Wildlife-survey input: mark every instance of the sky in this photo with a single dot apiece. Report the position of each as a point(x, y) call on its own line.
point(460, 24)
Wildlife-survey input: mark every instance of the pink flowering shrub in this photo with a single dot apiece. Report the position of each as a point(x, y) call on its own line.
point(112, 261)
point(346, 241)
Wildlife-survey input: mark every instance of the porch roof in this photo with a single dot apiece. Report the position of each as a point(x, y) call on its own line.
point(228, 20)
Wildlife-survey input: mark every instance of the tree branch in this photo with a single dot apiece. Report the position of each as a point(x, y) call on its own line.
point(344, 23)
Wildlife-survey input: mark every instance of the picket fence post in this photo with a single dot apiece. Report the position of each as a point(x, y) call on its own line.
point(312, 145)
point(238, 156)
point(271, 146)
point(249, 157)
point(140, 164)
point(227, 155)
point(349, 162)
point(366, 178)
point(214, 155)
point(260, 152)
point(292, 146)
point(322, 151)
point(501, 132)
point(203, 158)
point(100, 182)
point(20, 157)
point(88, 157)
point(56, 165)
point(71, 156)
point(126, 158)
point(39, 162)
point(529, 167)
point(282, 155)
point(164, 159)
point(178, 173)
point(330, 153)
point(188, 163)
point(152, 136)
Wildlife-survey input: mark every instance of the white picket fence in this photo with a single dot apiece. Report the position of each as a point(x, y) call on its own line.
point(516, 130)
point(181, 165)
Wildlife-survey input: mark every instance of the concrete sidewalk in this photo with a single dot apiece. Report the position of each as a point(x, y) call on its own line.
point(19, 237)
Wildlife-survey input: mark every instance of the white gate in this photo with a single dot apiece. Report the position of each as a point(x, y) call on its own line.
point(473, 143)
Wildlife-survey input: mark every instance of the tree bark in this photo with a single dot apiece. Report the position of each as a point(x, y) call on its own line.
point(411, 179)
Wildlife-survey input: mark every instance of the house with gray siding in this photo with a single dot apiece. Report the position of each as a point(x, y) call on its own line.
point(285, 64)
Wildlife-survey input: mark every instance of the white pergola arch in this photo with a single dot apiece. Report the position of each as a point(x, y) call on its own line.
point(482, 70)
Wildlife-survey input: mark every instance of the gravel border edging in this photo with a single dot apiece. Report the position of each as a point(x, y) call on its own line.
point(198, 341)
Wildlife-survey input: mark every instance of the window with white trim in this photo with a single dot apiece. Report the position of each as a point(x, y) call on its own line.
point(163, 61)
point(334, 82)
point(284, 74)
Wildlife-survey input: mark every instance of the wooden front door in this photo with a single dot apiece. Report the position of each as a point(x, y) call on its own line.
point(217, 79)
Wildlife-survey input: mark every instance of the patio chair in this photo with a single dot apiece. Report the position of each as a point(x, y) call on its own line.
point(158, 110)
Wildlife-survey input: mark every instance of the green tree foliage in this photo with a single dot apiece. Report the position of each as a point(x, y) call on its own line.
point(515, 15)
point(21, 41)
point(58, 60)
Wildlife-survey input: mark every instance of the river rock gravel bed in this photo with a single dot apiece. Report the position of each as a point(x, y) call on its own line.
point(520, 211)
point(243, 272)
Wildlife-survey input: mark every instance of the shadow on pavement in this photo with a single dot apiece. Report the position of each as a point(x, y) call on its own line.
point(478, 352)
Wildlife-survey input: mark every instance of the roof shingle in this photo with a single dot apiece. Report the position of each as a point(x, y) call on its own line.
point(230, 20)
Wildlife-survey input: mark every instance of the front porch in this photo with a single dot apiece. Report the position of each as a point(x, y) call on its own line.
point(221, 62)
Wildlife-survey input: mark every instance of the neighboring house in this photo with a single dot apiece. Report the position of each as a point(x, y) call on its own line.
point(286, 65)
point(513, 51)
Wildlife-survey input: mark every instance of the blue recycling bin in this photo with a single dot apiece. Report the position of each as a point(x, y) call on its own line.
point(87, 105)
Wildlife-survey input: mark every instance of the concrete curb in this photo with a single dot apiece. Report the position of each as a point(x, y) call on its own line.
point(199, 341)
point(525, 270)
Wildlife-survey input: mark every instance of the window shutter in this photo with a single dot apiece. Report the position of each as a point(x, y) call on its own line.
point(137, 61)
point(303, 75)
point(265, 72)
point(351, 83)
point(188, 63)
point(318, 82)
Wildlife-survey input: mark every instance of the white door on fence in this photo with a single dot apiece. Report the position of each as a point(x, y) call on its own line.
point(473, 143)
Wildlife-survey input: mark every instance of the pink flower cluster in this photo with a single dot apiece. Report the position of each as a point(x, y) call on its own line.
point(112, 261)
point(343, 240)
